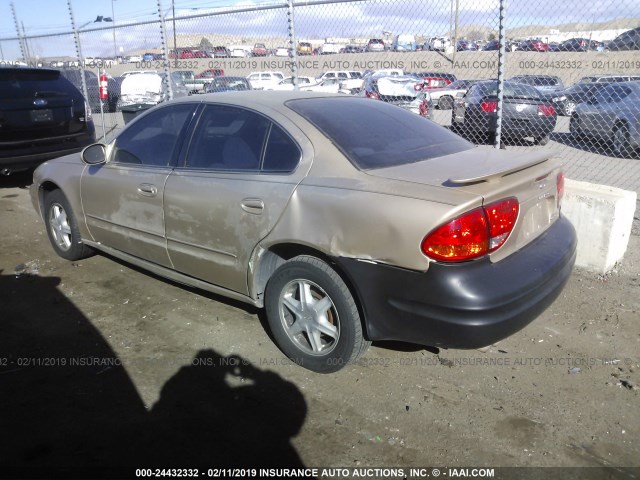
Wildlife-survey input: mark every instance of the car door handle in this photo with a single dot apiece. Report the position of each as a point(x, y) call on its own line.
point(147, 190)
point(252, 205)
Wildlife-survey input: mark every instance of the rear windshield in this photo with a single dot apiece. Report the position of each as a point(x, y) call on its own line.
point(511, 89)
point(21, 83)
point(373, 134)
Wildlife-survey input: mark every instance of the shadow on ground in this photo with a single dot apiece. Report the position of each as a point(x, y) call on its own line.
point(58, 417)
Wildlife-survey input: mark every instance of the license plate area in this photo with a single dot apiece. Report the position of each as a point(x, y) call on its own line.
point(42, 116)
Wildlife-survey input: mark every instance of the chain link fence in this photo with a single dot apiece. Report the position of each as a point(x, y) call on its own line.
point(517, 75)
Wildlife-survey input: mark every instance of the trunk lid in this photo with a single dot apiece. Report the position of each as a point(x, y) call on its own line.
point(493, 174)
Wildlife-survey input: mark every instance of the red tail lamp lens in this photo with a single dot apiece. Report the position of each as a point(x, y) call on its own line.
point(489, 107)
point(473, 234)
point(373, 95)
point(546, 110)
point(424, 108)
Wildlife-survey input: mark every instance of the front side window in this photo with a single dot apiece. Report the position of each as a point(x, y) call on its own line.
point(153, 140)
point(238, 140)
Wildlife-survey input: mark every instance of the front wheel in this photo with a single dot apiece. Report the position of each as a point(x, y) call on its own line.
point(569, 108)
point(621, 146)
point(62, 227)
point(313, 315)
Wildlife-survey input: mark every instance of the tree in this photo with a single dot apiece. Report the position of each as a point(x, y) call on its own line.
point(492, 36)
point(205, 44)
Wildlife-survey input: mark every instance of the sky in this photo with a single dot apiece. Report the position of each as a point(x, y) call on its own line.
point(355, 19)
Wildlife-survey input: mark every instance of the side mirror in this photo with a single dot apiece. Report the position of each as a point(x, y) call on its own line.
point(94, 154)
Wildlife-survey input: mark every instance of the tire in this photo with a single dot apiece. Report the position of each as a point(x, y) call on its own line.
point(321, 331)
point(569, 108)
point(62, 227)
point(574, 129)
point(445, 103)
point(541, 140)
point(621, 145)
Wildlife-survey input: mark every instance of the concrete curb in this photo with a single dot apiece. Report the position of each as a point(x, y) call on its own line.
point(602, 217)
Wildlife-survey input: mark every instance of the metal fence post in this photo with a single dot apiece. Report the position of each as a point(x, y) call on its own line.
point(165, 53)
point(293, 52)
point(20, 39)
point(76, 38)
point(501, 57)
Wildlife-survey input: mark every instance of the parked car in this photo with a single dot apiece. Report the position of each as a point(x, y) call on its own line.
point(404, 91)
point(329, 85)
point(259, 50)
point(610, 78)
point(438, 44)
point(629, 40)
point(305, 48)
point(544, 83)
point(42, 116)
point(352, 49)
point(533, 46)
point(449, 77)
point(611, 116)
point(443, 98)
point(465, 45)
point(434, 83)
point(574, 45)
point(566, 100)
point(494, 45)
point(404, 43)
point(287, 83)
point(221, 52)
point(281, 52)
point(525, 113)
point(250, 196)
point(262, 80)
point(202, 79)
point(144, 90)
point(227, 84)
point(375, 45)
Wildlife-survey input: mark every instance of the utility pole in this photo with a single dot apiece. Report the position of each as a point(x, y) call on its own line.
point(113, 19)
point(173, 15)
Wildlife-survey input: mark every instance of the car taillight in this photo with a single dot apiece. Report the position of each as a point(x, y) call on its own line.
point(87, 111)
point(373, 95)
point(489, 107)
point(424, 108)
point(560, 188)
point(546, 110)
point(473, 234)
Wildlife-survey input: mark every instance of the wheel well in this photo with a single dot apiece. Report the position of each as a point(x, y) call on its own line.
point(45, 187)
point(277, 255)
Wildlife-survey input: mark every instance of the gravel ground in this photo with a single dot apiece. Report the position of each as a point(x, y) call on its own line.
point(103, 365)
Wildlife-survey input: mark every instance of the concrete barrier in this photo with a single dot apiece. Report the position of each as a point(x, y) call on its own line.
point(602, 217)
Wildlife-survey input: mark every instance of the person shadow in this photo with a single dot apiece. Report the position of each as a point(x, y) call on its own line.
point(69, 407)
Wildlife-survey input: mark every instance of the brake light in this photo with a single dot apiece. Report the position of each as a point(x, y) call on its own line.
point(373, 95)
point(473, 234)
point(546, 110)
point(560, 188)
point(489, 107)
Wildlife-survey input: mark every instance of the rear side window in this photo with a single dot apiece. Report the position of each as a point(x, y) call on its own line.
point(375, 134)
point(21, 83)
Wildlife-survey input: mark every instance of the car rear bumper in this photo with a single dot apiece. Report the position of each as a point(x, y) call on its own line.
point(465, 305)
point(32, 153)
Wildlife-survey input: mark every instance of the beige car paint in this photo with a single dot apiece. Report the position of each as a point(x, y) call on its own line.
point(379, 216)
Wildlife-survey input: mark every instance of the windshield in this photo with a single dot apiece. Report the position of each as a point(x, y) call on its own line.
point(390, 135)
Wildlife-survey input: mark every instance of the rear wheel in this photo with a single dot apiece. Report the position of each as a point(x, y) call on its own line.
point(569, 108)
point(574, 127)
point(62, 227)
point(313, 315)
